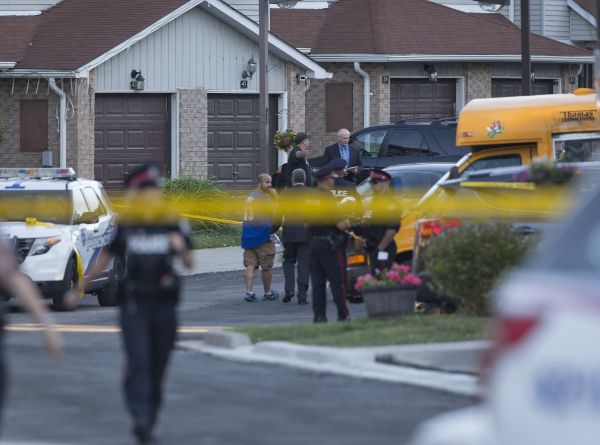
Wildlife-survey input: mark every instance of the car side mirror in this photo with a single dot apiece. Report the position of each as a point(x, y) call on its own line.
point(87, 218)
point(454, 173)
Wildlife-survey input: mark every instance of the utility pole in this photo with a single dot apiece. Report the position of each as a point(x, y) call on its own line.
point(263, 55)
point(525, 53)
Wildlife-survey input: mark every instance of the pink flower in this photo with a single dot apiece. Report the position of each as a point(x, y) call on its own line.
point(394, 276)
point(404, 268)
point(412, 280)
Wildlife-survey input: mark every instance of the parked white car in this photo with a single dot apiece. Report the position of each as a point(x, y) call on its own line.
point(541, 384)
point(57, 225)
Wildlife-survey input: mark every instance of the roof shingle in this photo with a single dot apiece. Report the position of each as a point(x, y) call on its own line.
point(404, 27)
point(75, 32)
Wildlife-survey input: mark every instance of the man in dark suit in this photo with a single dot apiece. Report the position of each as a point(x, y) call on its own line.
point(341, 149)
point(295, 237)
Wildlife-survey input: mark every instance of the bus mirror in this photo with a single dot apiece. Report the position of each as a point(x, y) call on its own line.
point(454, 173)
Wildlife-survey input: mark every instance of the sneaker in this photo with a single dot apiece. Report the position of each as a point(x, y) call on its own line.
point(302, 300)
point(320, 319)
point(271, 296)
point(142, 432)
point(287, 298)
point(250, 297)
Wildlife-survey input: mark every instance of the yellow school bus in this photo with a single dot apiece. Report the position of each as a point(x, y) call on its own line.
point(511, 131)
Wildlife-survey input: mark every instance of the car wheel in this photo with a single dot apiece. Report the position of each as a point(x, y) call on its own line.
point(69, 283)
point(109, 296)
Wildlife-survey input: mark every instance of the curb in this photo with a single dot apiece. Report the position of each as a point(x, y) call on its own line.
point(357, 363)
point(226, 340)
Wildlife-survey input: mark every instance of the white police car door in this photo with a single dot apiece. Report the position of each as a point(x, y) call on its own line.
point(101, 235)
point(86, 229)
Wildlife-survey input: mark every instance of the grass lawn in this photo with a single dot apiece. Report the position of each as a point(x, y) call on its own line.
point(220, 237)
point(366, 332)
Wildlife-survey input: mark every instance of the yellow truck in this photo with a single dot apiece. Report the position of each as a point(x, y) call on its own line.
point(512, 131)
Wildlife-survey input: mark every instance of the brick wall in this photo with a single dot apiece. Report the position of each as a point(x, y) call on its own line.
point(296, 99)
point(80, 123)
point(478, 81)
point(80, 126)
point(380, 99)
point(315, 105)
point(193, 128)
point(10, 101)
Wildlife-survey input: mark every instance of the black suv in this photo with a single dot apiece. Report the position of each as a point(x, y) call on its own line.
point(408, 141)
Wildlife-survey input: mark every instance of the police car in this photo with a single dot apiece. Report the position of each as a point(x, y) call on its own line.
point(57, 226)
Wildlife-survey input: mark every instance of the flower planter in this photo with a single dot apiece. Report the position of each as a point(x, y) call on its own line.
point(389, 301)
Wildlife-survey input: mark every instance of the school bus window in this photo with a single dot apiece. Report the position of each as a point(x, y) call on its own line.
point(577, 150)
point(494, 162)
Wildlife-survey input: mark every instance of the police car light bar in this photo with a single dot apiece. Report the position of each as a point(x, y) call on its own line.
point(23, 173)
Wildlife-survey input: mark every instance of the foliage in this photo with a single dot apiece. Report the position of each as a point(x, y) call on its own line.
point(369, 332)
point(466, 262)
point(398, 275)
point(205, 194)
point(284, 140)
point(549, 173)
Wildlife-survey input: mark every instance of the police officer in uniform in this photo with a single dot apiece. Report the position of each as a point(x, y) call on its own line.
point(149, 239)
point(342, 187)
point(381, 221)
point(327, 256)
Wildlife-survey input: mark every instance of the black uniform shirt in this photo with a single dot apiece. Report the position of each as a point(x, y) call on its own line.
point(318, 205)
point(382, 214)
point(149, 258)
point(294, 162)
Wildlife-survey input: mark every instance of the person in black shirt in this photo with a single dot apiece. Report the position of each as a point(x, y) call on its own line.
point(149, 239)
point(381, 221)
point(327, 256)
point(298, 158)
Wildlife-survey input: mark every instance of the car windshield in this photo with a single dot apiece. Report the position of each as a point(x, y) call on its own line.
point(52, 206)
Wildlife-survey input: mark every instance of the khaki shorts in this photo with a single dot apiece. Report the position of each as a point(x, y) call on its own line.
point(263, 256)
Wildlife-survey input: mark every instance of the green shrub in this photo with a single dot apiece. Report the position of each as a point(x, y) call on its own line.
point(465, 263)
point(205, 198)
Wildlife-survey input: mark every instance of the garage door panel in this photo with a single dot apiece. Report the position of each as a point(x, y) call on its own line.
point(422, 99)
point(245, 140)
point(245, 171)
point(130, 130)
point(234, 138)
point(513, 87)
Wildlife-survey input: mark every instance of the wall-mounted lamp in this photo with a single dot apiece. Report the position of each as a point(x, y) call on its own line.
point(250, 68)
point(302, 80)
point(137, 84)
point(532, 76)
point(431, 72)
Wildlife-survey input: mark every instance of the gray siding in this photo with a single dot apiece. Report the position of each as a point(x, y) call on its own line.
point(556, 20)
point(247, 7)
point(26, 5)
point(195, 51)
point(581, 29)
point(513, 70)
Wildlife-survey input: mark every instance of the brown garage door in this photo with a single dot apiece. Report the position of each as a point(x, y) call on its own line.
point(422, 99)
point(233, 138)
point(512, 87)
point(130, 130)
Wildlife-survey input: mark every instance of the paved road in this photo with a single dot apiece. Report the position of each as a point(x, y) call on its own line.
point(210, 401)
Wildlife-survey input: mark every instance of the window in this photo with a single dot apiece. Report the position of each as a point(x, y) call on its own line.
point(338, 106)
point(369, 143)
point(34, 125)
point(93, 201)
point(446, 136)
point(577, 149)
point(407, 143)
point(494, 162)
point(79, 205)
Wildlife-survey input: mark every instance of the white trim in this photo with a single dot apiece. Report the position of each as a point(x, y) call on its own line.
point(447, 58)
point(7, 65)
point(283, 49)
point(242, 92)
point(582, 12)
point(41, 73)
point(282, 123)
point(174, 118)
point(19, 13)
point(139, 93)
